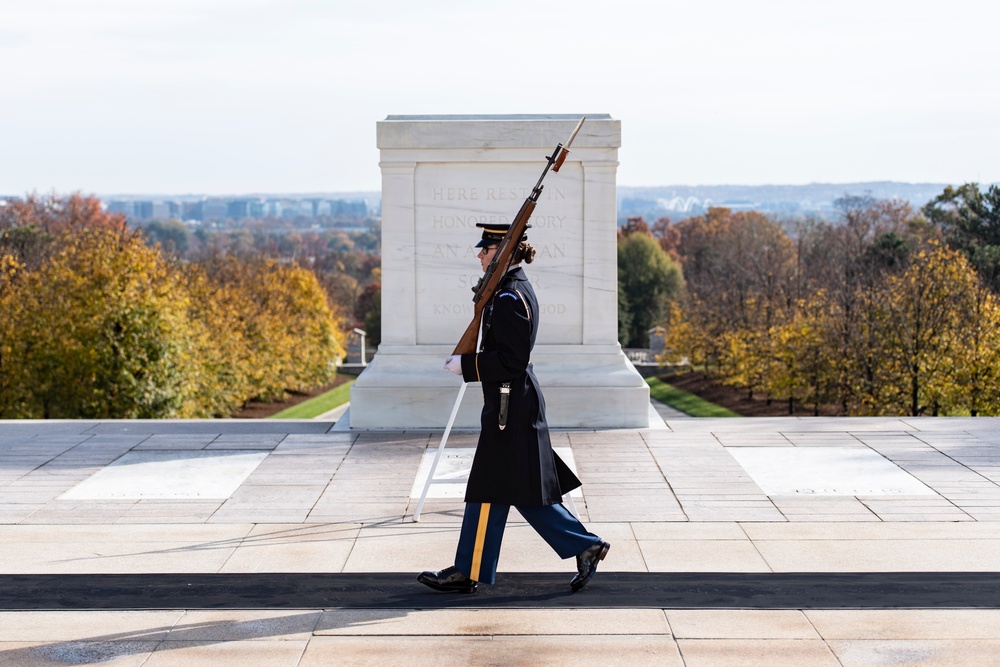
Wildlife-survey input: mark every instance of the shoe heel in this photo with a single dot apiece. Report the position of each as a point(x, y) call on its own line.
point(605, 548)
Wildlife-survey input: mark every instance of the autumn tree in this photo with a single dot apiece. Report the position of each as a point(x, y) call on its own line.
point(219, 379)
point(171, 235)
point(649, 280)
point(668, 236)
point(801, 372)
point(845, 262)
point(624, 314)
point(369, 307)
point(287, 328)
point(31, 229)
point(869, 311)
point(975, 385)
point(739, 269)
point(94, 323)
point(97, 331)
point(970, 220)
point(919, 332)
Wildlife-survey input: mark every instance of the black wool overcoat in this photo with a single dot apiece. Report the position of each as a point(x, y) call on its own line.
point(515, 466)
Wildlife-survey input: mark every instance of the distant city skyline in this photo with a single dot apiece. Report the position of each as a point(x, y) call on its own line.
point(242, 207)
point(224, 97)
point(649, 202)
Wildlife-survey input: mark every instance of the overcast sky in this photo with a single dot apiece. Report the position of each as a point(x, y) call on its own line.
point(238, 96)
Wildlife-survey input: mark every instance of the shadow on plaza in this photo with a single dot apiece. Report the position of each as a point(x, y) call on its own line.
point(108, 647)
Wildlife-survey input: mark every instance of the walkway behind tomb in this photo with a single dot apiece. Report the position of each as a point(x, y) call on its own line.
point(787, 541)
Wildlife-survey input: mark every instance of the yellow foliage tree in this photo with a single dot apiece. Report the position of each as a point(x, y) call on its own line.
point(218, 380)
point(802, 368)
point(97, 331)
point(976, 366)
point(920, 332)
point(690, 338)
point(290, 337)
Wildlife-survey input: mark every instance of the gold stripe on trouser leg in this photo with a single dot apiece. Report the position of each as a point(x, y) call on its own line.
point(477, 551)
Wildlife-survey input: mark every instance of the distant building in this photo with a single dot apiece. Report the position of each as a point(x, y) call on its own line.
point(272, 208)
point(355, 208)
point(122, 207)
point(237, 209)
point(193, 210)
point(160, 210)
point(305, 208)
point(215, 209)
point(144, 209)
point(285, 208)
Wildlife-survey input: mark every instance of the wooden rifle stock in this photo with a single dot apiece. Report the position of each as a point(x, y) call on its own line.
point(502, 260)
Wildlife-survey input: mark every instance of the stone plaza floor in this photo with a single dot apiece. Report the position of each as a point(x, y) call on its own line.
point(763, 541)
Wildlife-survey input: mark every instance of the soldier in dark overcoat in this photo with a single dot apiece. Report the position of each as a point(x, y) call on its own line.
point(514, 464)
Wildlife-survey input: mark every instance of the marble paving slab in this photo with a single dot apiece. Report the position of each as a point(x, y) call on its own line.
point(826, 471)
point(145, 475)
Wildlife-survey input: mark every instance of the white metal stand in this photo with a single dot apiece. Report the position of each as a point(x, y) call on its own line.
point(437, 457)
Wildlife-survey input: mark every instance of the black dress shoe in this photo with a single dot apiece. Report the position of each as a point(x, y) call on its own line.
point(586, 564)
point(448, 580)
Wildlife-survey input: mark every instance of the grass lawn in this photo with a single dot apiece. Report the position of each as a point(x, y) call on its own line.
point(317, 405)
point(685, 402)
point(661, 391)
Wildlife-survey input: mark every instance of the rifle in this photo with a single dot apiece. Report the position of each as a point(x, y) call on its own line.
point(488, 284)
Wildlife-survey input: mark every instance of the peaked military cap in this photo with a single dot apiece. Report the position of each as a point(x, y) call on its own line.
point(494, 233)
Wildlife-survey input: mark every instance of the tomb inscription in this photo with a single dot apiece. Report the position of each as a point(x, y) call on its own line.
point(451, 200)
